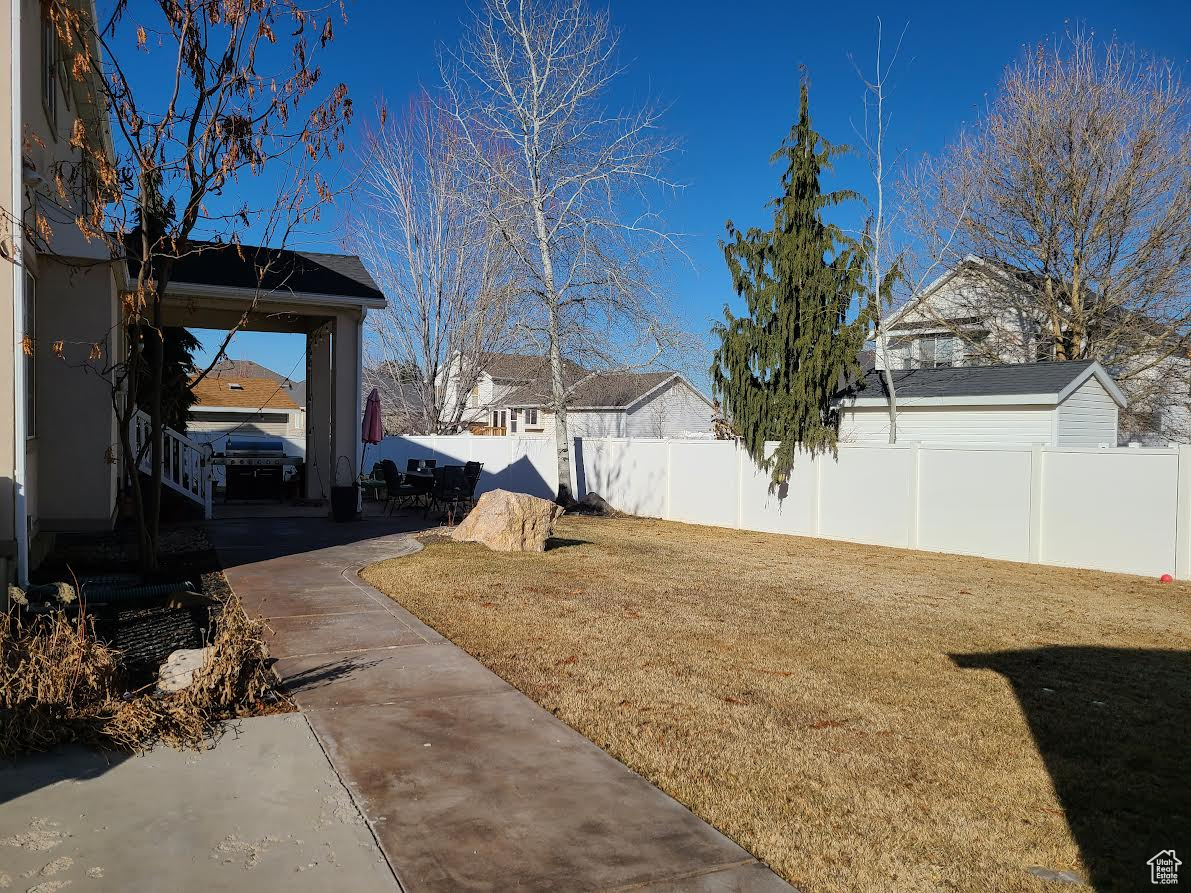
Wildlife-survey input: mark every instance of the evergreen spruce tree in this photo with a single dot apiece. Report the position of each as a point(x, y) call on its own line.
point(777, 368)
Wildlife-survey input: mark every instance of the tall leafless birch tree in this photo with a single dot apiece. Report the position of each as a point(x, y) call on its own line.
point(882, 268)
point(528, 90)
point(425, 230)
point(1073, 186)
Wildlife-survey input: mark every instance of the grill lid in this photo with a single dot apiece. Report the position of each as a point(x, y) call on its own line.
point(260, 446)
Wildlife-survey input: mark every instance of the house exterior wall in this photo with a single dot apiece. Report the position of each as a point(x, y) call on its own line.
point(8, 270)
point(1088, 417)
point(672, 412)
point(76, 428)
point(584, 423)
point(951, 424)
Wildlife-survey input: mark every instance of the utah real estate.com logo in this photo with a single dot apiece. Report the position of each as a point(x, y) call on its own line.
point(1164, 868)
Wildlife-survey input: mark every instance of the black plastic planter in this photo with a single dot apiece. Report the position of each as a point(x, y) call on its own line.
point(344, 501)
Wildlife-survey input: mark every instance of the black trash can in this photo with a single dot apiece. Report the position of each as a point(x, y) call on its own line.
point(344, 501)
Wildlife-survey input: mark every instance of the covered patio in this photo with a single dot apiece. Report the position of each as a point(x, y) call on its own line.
point(324, 297)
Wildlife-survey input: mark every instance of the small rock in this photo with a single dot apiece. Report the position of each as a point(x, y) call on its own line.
point(509, 522)
point(179, 668)
point(1061, 877)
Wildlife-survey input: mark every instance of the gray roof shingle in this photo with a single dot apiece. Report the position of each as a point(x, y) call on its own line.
point(973, 381)
point(597, 390)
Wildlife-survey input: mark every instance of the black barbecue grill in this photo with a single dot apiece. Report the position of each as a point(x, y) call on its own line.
point(255, 468)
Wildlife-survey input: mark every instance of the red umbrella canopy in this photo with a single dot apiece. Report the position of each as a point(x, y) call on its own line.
point(372, 431)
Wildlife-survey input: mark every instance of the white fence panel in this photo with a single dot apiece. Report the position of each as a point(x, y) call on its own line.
point(703, 485)
point(790, 509)
point(1115, 510)
point(975, 501)
point(865, 496)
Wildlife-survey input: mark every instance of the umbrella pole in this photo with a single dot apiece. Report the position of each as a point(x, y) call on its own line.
point(363, 450)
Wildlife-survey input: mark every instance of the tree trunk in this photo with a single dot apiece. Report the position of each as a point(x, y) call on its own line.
point(558, 392)
point(887, 377)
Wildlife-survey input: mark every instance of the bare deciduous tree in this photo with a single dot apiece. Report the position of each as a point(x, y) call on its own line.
point(1073, 187)
point(883, 266)
point(527, 91)
point(425, 230)
point(232, 98)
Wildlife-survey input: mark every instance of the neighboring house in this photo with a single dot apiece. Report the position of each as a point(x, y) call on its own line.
point(244, 400)
point(971, 316)
point(1073, 403)
point(511, 396)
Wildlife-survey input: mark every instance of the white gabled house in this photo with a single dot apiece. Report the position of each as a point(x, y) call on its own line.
point(1074, 403)
point(972, 315)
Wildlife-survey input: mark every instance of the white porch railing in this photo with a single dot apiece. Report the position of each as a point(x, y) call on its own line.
point(185, 464)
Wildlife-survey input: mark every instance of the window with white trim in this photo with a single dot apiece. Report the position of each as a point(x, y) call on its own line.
point(936, 351)
point(49, 71)
point(531, 418)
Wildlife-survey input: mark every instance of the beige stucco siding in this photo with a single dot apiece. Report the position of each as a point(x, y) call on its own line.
point(76, 441)
point(7, 337)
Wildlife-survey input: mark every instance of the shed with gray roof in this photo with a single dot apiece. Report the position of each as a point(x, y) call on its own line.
point(1054, 404)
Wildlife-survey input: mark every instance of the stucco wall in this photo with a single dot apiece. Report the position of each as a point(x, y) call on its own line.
point(77, 442)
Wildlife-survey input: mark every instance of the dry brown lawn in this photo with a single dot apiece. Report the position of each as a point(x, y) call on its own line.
point(860, 718)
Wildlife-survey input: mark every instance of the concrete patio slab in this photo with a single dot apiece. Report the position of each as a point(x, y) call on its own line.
point(263, 810)
point(466, 782)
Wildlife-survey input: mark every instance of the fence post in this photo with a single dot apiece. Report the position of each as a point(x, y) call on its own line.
point(1037, 459)
point(816, 491)
point(739, 486)
point(1182, 518)
point(915, 495)
point(669, 474)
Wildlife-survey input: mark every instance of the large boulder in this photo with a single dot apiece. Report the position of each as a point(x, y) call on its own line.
point(509, 522)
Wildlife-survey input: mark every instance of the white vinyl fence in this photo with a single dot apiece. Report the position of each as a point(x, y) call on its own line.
point(1126, 510)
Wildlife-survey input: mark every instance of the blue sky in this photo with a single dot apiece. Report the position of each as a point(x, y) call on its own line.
point(729, 75)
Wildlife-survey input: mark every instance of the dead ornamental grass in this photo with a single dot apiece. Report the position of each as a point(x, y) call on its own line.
point(860, 718)
point(59, 683)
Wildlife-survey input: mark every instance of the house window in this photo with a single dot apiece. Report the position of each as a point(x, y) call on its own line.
point(29, 349)
point(531, 418)
point(498, 418)
point(474, 397)
point(49, 71)
point(935, 351)
point(897, 352)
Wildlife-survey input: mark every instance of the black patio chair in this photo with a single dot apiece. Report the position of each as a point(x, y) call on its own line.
point(450, 484)
point(471, 472)
point(399, 492)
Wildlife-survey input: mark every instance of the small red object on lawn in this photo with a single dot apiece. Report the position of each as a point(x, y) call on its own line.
point(1166, 578)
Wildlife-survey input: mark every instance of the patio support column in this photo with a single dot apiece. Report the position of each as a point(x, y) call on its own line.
point(345, 421)
point(319, 467)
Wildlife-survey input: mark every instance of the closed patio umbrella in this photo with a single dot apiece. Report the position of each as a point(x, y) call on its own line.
point(371, 431)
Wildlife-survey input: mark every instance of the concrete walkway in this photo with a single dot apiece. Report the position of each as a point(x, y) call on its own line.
point(467, 784)
point(261, 811)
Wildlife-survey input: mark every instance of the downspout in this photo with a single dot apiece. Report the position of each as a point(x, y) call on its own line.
point(20, 420)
